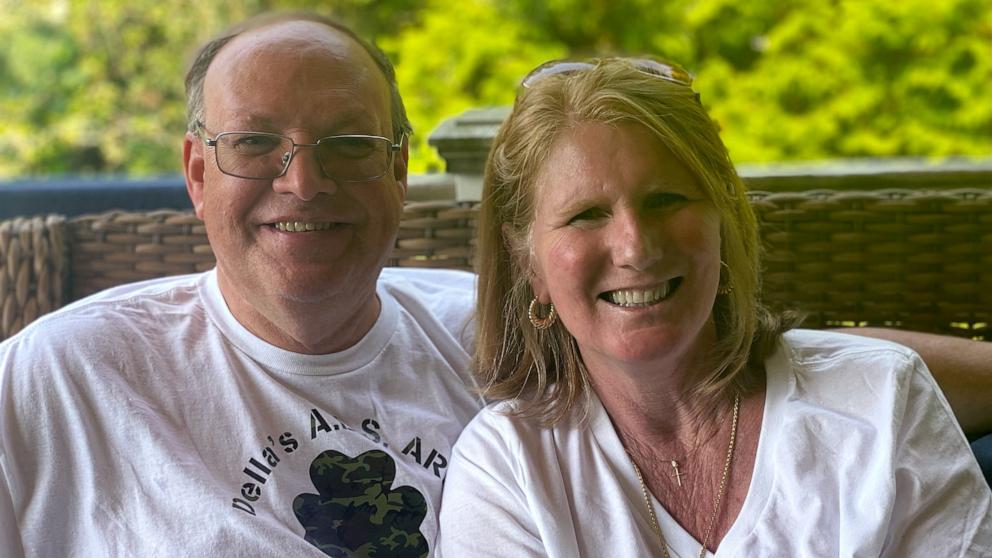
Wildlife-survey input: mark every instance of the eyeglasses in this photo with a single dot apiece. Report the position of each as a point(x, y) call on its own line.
point(265, 156)
point(665, 70)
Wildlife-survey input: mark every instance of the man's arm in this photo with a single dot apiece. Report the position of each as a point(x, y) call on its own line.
point(962, 368)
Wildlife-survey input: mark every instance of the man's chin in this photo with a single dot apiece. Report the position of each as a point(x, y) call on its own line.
point(317, 285)
point(329, 291)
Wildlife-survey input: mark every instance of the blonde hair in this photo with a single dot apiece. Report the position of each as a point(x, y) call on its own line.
point(543, 369)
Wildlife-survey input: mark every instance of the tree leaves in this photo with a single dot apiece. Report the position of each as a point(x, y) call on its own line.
point(97, 86)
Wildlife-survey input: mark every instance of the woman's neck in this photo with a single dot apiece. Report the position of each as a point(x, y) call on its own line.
point(672, 421)
point(657, 403)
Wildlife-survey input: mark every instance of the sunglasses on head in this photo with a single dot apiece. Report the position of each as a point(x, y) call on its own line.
point(665, 70)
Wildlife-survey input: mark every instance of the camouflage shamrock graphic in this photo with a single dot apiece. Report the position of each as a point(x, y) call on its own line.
point(356, 512)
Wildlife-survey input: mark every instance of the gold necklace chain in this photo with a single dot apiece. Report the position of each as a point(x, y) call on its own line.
point(719, 495)
point(676, 470)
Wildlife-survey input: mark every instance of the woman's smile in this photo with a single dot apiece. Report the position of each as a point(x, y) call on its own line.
point(642, 297)
point(625, 245)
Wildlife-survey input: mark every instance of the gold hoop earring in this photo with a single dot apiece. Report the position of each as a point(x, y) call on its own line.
point(541, 323)
point(725, 287)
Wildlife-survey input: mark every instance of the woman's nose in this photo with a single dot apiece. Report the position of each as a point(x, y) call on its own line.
point(636, 243)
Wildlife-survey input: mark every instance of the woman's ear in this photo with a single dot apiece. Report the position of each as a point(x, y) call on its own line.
point(506, 233)
point(540, 290)
point(526, 263)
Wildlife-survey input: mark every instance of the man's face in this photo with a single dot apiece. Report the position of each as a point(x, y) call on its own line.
point(305, 81)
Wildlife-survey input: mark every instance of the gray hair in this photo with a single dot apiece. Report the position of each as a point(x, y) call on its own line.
point(205, 55)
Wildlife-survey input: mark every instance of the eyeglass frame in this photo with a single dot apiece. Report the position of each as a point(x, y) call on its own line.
point(393, 148)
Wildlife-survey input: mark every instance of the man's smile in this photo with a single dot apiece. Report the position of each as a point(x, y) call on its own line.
point(304, 226)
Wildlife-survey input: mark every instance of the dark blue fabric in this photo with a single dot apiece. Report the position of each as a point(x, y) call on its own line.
point(75, 196)
point(983, 451)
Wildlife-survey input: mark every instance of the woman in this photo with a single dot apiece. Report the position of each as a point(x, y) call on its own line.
point(653, 406)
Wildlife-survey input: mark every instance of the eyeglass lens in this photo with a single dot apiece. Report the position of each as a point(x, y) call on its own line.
point(266, 156)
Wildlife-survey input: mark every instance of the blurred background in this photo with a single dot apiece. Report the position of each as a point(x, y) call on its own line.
point(91, 87)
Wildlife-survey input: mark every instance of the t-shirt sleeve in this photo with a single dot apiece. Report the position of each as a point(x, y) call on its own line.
point(484, 511)
point(942, 501)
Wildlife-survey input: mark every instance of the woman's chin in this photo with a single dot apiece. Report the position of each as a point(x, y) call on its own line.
point(663, 346)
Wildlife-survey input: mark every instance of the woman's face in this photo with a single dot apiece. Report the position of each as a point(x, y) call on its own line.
point(626, 246)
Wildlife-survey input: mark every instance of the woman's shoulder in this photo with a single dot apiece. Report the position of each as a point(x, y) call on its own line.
point(826, 370)
point(819, 347)
point(835, 360)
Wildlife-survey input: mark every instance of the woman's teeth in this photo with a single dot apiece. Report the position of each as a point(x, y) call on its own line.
point(638, 297)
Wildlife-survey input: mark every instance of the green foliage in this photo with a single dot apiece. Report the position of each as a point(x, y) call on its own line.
point(93, 86)
point(447, 64)
point(96, 86)
point(908, 78)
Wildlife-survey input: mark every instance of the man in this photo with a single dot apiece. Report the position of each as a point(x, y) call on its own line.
point(291, 402)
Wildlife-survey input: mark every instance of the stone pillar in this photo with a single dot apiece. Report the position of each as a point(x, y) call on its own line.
point(463, 142)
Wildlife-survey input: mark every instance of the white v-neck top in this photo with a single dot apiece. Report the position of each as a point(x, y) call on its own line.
point(859, 455)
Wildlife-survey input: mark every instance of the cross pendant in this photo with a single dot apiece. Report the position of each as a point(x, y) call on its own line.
point(678, 473)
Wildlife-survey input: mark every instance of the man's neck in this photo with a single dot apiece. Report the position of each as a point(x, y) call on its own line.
point(307, 327)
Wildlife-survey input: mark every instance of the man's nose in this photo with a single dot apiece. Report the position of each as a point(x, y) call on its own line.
point(636, 243)
point(304, 177)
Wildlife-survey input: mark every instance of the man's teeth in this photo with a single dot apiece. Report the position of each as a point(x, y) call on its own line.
point(299, 226)
point(631, 297)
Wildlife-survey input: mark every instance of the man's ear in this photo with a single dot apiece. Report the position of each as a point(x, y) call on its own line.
point(193, 164)
point(401, 163)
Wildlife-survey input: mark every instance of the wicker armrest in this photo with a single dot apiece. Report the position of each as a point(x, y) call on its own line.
point(33, 268)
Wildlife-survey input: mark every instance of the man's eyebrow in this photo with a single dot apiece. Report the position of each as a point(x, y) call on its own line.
point(349, 123)
point(361, 120)
point(247, 121)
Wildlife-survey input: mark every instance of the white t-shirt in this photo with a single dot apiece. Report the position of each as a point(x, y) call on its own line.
point(146, 421)
point(859, 455)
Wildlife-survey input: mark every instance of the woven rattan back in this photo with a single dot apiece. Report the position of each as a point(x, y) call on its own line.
point(33, 270)
point(917, 260)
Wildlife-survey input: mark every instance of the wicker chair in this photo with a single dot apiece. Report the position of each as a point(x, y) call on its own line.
point(902, 258)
